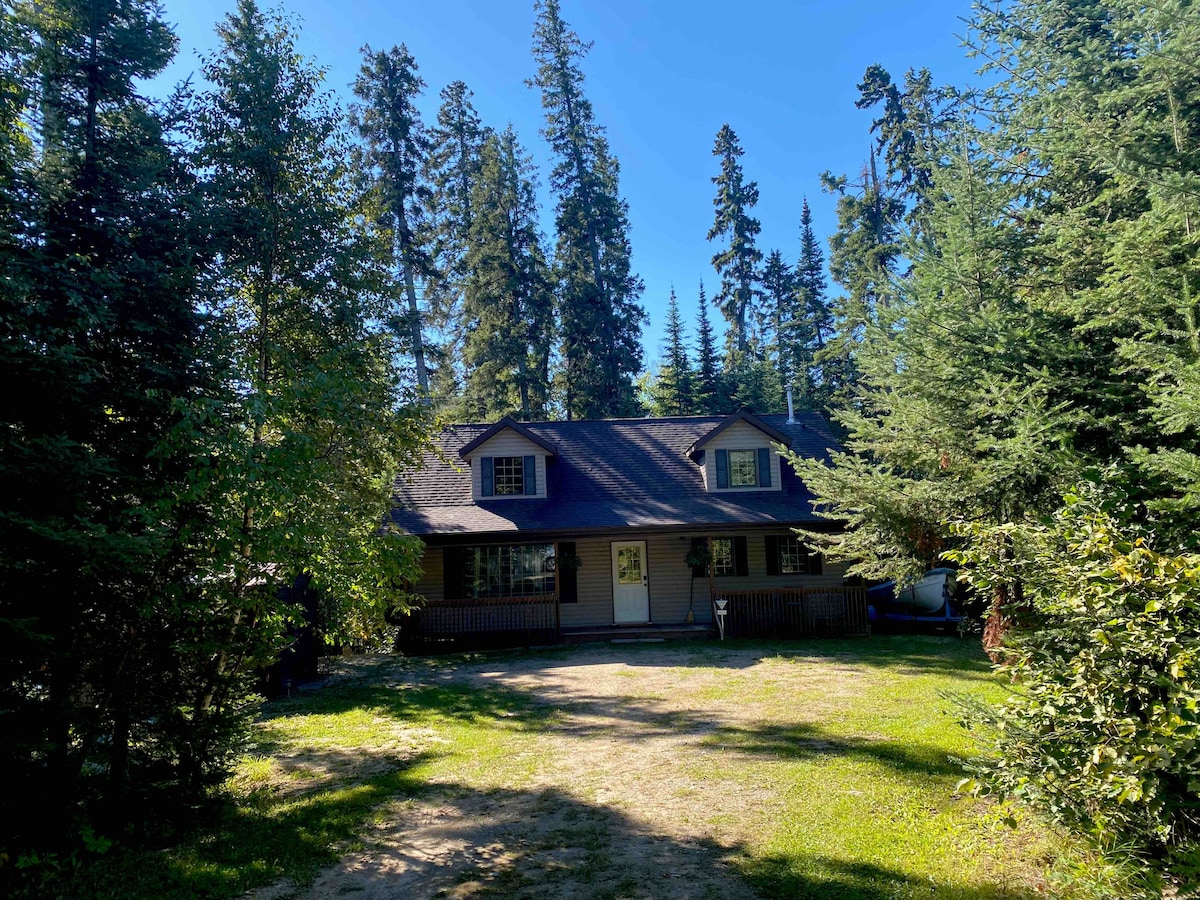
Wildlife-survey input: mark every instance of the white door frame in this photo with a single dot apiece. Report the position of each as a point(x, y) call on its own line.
point(631, 601)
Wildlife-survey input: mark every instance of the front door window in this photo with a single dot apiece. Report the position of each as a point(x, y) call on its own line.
point(629, 565)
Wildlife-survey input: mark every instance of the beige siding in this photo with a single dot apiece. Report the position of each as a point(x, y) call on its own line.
point(670, 578)
point(509, 443)
point(431, 583)
point(739, 436)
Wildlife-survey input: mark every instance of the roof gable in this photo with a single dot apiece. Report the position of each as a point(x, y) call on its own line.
point(507, 422)
point(742, 415)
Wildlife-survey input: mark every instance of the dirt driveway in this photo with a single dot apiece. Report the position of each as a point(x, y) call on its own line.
point(622, 787)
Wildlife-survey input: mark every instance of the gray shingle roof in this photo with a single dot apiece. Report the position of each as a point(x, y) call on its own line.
point(610, 475)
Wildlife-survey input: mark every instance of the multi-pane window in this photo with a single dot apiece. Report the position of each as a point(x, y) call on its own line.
point(515, 570)
point(743, 468)
point(795, 558)
point(722, 554)
point(509, 475)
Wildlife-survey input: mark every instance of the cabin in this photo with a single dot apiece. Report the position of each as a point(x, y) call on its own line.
point(539, 532)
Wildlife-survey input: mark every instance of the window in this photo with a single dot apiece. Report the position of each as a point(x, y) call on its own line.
point(722, 551)
point(793, 557)
point(743, 472)
point(516, 570)
point(728, 556)
point(741, 469)
point(510, 475)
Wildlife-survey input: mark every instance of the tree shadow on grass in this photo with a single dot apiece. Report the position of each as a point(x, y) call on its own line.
point(809, 741)
point(548, 844)
point(238, 845)
point(498, 706)
point(815, 877)
point(393, 837)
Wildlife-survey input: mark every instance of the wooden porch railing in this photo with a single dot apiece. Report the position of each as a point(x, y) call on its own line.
point(485, 620)
point(793, 612)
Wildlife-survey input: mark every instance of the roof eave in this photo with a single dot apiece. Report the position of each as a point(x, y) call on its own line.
point(742, 415)
point(507, 422)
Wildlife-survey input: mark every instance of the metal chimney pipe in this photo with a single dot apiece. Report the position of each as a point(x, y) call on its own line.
point(791, 413)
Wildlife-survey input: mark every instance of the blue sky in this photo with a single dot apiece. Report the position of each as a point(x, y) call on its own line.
point(663, 76)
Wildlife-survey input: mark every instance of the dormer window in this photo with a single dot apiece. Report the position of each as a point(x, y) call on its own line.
point(508, 460)
point(739, 455)
point(743, 468)
point(510, 475)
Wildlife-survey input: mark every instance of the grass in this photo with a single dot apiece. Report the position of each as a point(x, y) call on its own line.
point(847, 748)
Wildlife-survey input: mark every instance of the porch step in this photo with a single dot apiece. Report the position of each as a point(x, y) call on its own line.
point(636, 634)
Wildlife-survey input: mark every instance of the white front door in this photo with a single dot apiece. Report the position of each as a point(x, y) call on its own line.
point(631, 584)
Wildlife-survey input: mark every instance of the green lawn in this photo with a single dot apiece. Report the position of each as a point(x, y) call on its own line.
point(817, 769)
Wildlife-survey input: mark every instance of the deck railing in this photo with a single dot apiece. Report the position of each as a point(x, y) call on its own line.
point(795, 612)
point(483, 620)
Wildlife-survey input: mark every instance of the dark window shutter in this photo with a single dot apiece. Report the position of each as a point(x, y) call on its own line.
point(530, 475)
point(772, 554)
point(814, 562)
point(568, 576)
point(722, 468)
point(741, 566)
point(487, 478)
point(764, 467)
point(453, 564)
point(699, 544)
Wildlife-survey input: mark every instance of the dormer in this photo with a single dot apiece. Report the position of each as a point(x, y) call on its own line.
point(737, 455)
point(508, 462)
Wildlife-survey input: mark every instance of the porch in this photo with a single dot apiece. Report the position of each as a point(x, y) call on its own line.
point(795, 612)
point(777, 612)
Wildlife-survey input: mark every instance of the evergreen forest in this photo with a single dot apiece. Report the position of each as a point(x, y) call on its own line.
point(229, 316)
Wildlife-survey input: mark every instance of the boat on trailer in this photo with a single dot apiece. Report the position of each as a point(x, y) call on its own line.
point(930, 599)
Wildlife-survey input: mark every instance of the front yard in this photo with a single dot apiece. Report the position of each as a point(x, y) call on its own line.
point(794, 770)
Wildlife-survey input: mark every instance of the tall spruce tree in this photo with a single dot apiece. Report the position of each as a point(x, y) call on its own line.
point(710, 396)
point(738, 263)
point(508, 300)
point(864, 253)
point(452, 170)
point(782, 330)
point(100, 347)
point(600, 317)
point(391, 158)
point(673, 392)
point(813, 310)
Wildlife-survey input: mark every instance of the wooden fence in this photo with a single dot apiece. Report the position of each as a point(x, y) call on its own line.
point(490, 621)
point(795, 612)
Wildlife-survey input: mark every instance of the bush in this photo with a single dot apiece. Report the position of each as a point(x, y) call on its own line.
point(1101, 730)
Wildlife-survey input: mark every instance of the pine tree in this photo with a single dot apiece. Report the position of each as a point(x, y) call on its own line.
point(508, 297)
point(709, 396)
point(738, 263)
point(674, 386)
point(813, 311)
point(452, 170)
point(782, 332)
point(599, 312)
point(391, 157)
point(864, 254)
point(100, 344)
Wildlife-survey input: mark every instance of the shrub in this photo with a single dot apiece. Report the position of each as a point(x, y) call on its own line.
point(1101, 729)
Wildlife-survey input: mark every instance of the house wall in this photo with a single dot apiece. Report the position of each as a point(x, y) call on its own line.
point(670, 578)
point(509, 443)
point(739, 436)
